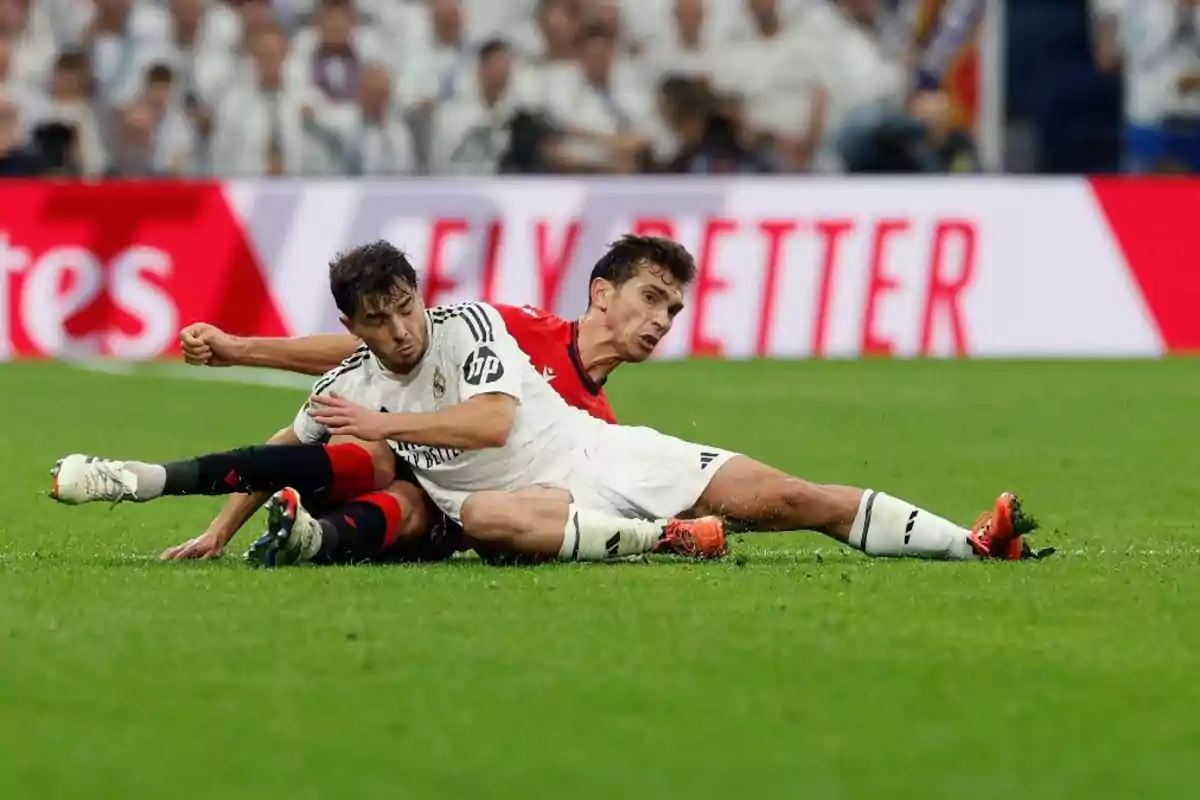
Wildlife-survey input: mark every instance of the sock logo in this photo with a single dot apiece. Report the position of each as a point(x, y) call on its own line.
point(613, 545)
point(707, 458)
point(575, 547)
point(912, 520)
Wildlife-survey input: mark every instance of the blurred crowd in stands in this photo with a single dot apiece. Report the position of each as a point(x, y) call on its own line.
point(246, 88)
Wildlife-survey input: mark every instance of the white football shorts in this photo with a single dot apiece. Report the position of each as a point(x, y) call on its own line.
point(638, 472)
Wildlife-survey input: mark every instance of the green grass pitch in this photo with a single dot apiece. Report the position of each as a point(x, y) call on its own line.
point(793, 669)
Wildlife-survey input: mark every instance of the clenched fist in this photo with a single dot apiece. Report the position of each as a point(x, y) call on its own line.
point(208, 346)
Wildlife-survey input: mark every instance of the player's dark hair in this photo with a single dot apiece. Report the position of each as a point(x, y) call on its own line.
point(630, 253)
point(368, 275)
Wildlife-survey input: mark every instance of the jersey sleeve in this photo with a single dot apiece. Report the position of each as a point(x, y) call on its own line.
point(307, 429)
point(485, 356)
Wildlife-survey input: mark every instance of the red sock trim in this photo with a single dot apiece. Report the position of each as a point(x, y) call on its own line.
point(390, 507)
point(353, 471)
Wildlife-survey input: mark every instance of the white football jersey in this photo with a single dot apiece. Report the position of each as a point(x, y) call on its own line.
point(470, 352)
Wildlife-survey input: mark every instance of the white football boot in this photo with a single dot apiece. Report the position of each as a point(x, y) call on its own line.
point(293, 536)
point(80, 479)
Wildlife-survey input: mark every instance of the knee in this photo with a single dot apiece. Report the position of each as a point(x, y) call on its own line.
point(383, 460)
point(486, 517)
point(417, 511)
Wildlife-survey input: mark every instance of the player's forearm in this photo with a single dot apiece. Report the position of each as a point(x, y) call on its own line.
point(237, 511)
point(308, 355)
point(239, 508)
point(477, 424)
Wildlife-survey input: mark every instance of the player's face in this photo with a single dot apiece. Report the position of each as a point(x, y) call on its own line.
point(641, 311)
point(393, 327)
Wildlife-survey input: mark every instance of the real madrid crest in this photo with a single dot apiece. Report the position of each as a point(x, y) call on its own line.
point(439, 383)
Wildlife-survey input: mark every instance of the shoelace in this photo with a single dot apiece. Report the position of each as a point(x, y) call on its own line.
point(103, 480)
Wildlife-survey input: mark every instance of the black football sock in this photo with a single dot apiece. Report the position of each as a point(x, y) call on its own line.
point(335, 471)
point(360, 530)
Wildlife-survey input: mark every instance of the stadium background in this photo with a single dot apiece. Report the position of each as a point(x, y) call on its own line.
point(198, 106)
point(150, 176)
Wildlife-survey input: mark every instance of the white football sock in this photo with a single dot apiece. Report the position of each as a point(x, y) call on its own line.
point(151, 480)
point(886, 527)
point(592, 536)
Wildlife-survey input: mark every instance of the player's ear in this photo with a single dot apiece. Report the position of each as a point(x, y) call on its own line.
point(601, 294)
point(346, 323)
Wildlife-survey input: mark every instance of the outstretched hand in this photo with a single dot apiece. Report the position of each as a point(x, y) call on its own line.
point(207, 545)
point(343, 417)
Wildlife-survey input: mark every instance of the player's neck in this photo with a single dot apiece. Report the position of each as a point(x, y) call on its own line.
point(597, 349)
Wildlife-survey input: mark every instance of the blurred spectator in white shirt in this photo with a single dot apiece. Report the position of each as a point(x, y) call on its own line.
point(1158, 43)
point(198, 30)
point(69, 103)
point(22, 93)
point(35, 46)
point(777, 78)
point(257, 126)
point(494, 19)
point(329, 57)
point(551, 53)
point(174, 139)
point(440, 54)
point(470, 132)
point(133, 143)
point(551, 35)
point(370, 137)
point(17, 158)
point(199, 49)
point(227, 63)
point(682, 48)
point(603, 108)
point(609, 17)
point(118, 36)
point(858, 65)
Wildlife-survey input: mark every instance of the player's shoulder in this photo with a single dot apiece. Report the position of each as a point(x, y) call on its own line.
point(530, 319)
point(479, 321)
point(353, 367)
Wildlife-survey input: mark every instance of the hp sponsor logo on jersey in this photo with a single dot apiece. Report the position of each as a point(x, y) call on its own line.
point(482, 367)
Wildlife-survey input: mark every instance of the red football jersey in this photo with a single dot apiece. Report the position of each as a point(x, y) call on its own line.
point(552, 344)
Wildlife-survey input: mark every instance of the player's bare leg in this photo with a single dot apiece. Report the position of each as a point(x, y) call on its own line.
point(757, 497)
point(544, 523)
point(364, 529)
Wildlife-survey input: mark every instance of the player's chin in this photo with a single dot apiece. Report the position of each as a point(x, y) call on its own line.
point(640, 349)
point(399, 361)
point(637, 355)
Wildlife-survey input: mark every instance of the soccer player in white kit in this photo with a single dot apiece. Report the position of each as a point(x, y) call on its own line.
point(479, 425)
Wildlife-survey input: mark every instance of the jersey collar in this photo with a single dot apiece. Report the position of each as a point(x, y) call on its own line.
point(577, 362)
